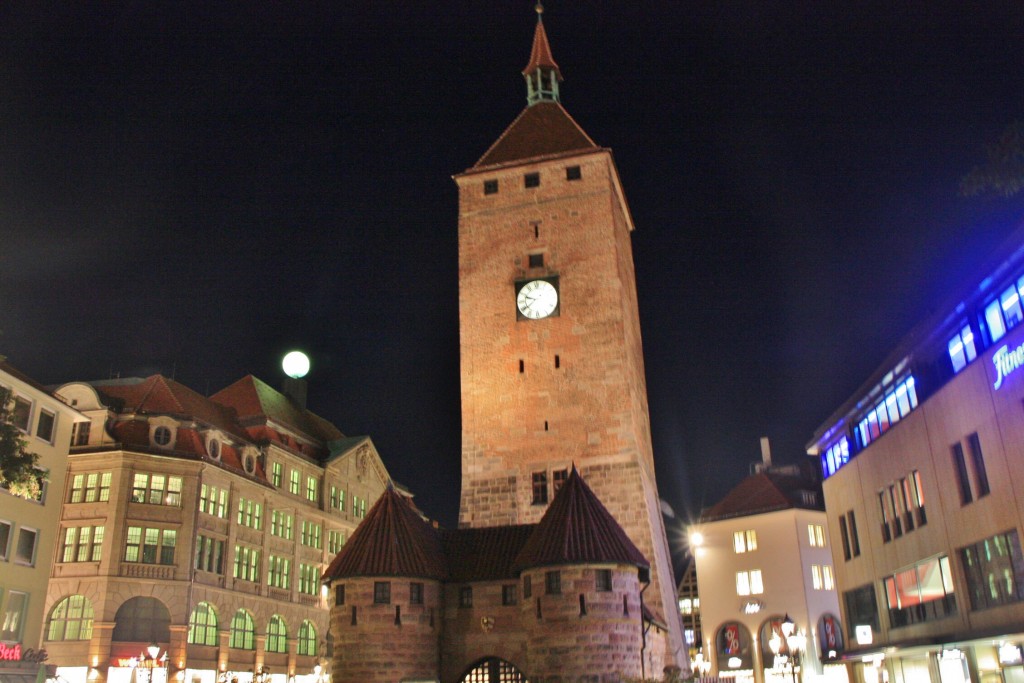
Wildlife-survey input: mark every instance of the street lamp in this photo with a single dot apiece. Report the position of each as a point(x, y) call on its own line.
point(796, 641)
point(261, 675)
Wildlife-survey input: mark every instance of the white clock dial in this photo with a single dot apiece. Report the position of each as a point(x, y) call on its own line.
point(537, 299)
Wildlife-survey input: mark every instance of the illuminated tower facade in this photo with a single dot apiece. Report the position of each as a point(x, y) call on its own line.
point(551, 359)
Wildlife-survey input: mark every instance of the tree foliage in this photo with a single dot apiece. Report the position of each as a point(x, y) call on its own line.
point(18, 471)
point(1002, 174)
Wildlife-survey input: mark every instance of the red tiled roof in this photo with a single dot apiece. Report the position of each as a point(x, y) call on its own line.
point(578, 529)
point(392, 541)
point(158, 394)
point(543, 129)
point(252, 398)
point(765, 492)
point(484, 554)
point(540, 53)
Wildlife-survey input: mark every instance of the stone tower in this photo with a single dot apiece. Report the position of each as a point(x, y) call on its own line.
point(551, 360)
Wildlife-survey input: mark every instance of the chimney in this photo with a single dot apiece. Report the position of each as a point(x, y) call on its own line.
point(766, 453)
point(295, 389)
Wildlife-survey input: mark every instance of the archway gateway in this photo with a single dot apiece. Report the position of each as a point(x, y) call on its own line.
point(494, 670)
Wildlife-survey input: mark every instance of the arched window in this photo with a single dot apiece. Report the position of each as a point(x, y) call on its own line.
point(70, 619)
point(243, 631)
point(202, 625)
point(307, 638)
point(277, 635)
point(142, 620)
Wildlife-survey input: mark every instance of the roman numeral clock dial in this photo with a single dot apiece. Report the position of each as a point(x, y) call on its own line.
point(537, 299)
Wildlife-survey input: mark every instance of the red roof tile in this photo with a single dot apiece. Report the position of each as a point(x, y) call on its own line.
point(253, 398)
point(158, 394)
point(766, 492)
point(578, 529)
point(543, 129)
point(392, 541)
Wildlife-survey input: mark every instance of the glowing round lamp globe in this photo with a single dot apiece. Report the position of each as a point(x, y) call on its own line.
point(295, 364)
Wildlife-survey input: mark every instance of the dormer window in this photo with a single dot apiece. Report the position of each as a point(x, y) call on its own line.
point(161, 436)
point(163, 432)
point(213, 448)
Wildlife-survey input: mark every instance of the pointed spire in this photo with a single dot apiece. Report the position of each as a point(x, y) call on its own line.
point(542, 73)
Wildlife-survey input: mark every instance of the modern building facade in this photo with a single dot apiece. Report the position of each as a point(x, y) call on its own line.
point(924, 476)
point(554, 408)
point(763, 554)
point(29, 527)
point(200, 526)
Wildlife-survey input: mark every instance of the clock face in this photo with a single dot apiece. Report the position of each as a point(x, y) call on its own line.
point(537, 299)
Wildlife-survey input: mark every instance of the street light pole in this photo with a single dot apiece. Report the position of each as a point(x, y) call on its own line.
point(796, 641)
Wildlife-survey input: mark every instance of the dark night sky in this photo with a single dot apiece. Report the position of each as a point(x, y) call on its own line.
point(195, 188)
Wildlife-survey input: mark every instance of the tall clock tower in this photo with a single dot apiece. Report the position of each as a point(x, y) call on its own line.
point(551, 359)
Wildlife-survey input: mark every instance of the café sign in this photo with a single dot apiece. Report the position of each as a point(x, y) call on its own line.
point(14, 653)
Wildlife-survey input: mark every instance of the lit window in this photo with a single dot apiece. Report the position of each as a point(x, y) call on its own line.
point(277, 635)
point(749, 583)
point(71, 619)
point(816, 535)
point(279, 572)
point(243, 631)
point(311, 489)
point(744, 541)
point(293, 482)
point(816, 576)
point(247, 563)
point(82, 544)
point(961, 349)
point(275, 474)
point(13, 622)
point(307, 639)
point(156, 489)
point(835, 456)
point(250, 513)
point(202, 625)
point(828, 580)
point(756, 587)
point(150, 546)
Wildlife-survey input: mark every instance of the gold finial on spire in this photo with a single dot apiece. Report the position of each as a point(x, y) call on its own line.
point(539, 9)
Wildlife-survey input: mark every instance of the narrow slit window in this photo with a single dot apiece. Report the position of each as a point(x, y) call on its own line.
point(558, 362)
point(522, 366)
point(545, 425)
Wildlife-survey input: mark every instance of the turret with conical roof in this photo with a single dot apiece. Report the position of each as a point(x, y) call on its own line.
point(542, 73)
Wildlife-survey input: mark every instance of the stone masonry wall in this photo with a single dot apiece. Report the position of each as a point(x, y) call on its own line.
point(377, 648)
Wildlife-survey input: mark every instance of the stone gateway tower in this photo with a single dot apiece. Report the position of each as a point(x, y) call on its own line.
point(559, 571)
point(552, 364)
